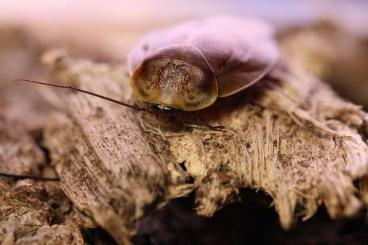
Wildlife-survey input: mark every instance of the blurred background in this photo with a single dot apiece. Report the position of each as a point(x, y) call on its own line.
point(149, 13)
point(98, 21)
point(329, 38)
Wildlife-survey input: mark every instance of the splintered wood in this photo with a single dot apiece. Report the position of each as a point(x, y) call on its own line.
point(289, 136)
point(30, 213)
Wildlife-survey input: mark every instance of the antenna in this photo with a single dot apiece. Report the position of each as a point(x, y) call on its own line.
point(27, 176)
point(134, 107)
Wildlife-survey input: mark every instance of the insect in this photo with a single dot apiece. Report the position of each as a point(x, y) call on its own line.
point(189, 66)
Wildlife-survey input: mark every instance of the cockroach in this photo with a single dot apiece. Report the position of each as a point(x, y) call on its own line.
point(189, 66)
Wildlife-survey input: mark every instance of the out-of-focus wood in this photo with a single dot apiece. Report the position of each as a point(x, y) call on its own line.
point(30, 212)
point(335, 55)
point(28, 215)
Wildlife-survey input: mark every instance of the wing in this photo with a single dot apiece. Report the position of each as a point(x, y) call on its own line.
point(239, 51)
point(156, 40)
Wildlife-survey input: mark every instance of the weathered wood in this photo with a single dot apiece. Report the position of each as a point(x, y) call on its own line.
point(290, 135)
point(28, 217)
point(30, 213)
point(334, 54)
point(18, 152)
point(107, 167)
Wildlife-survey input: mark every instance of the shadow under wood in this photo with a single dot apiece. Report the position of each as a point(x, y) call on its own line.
point(248, 222)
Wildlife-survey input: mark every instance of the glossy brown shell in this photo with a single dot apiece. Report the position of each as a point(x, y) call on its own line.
point(231, 53)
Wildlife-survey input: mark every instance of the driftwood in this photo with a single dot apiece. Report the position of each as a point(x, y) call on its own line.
point(289, 135)
point(293, 138)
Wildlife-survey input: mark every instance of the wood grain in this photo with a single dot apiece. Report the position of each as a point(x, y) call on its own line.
point(290, 136)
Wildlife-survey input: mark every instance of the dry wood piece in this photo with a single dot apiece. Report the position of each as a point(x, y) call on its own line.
point(334, 54)
point(107, 167)
point(290, 136)
point(18, 152)
point(30, 213)
point(28, 217)
point(19, 57)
